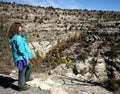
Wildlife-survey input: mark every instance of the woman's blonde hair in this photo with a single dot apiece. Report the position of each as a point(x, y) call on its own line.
point(14, 29)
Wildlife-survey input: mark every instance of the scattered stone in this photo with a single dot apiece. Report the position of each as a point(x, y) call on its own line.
point(44, 86)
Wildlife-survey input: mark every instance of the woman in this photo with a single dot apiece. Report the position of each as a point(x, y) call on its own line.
point(21, 54)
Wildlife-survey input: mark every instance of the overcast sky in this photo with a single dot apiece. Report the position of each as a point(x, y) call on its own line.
point(107, 5)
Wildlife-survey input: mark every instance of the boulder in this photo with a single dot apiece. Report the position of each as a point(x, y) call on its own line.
point(100, 69)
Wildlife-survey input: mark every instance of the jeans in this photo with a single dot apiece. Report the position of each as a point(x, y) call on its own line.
point(24, 75)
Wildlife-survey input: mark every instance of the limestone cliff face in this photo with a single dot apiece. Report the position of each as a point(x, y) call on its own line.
point(51, 24)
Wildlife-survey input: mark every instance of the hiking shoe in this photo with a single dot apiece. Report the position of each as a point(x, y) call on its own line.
point(24, 88)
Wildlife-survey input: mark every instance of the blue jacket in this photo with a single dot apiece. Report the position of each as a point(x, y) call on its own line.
point(20, 49)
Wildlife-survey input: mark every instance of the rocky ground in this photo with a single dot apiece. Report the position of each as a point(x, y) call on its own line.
point(50, 84)
point(32, 90)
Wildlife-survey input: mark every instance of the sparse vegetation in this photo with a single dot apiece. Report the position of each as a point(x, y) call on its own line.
point(113, 84)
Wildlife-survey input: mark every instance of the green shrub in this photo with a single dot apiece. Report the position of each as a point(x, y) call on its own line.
point(69, 64)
